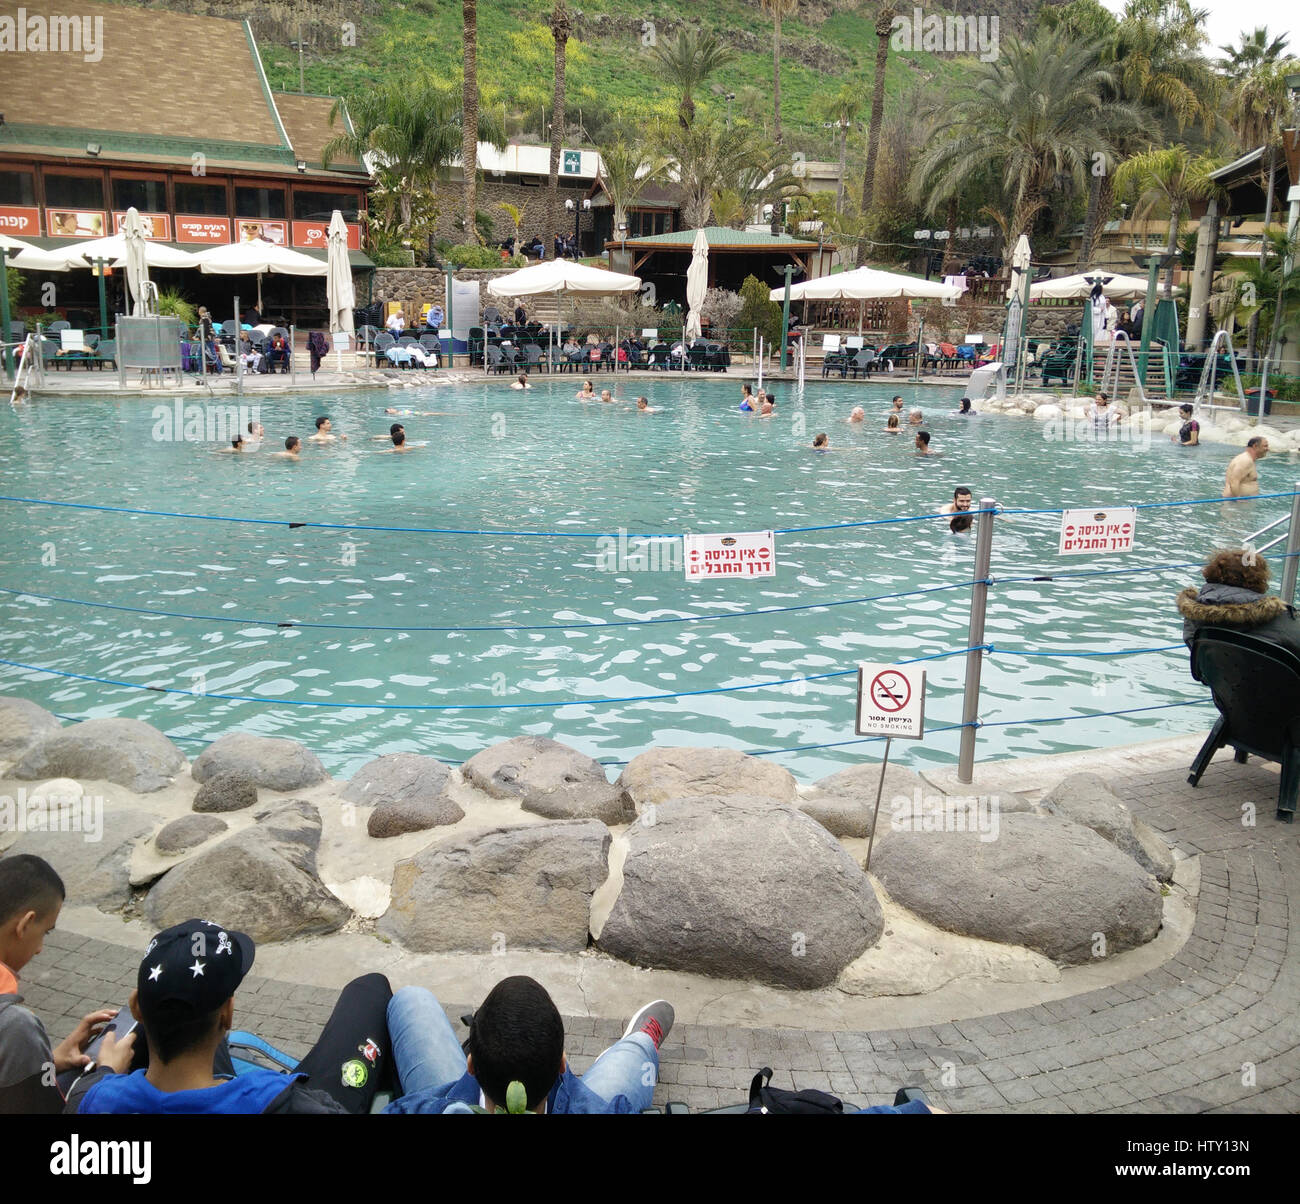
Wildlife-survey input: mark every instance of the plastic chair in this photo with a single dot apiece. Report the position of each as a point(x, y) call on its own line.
point(105, 353)
point(1256, 688)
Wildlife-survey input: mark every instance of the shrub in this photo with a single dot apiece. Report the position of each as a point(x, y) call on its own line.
point(759, 312)
point(721, 307)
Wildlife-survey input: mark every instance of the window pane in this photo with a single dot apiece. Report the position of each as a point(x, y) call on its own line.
point(320, 206)
point(149, 196)
point(201, 199)
point(18, 188)
point(259, 202)
point(74, 192)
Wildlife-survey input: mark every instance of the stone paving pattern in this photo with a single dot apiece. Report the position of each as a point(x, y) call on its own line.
point(1177, 1039)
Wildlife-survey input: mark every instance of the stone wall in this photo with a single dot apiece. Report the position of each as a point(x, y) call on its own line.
point(533, 201)
point(953, 323)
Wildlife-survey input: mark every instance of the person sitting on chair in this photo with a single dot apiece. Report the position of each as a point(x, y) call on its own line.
point(1235, 595)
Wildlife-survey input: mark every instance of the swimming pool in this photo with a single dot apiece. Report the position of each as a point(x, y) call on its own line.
point(419, 620)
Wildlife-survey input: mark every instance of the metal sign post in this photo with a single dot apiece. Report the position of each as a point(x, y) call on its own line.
point(975, 658)
point(891, 703)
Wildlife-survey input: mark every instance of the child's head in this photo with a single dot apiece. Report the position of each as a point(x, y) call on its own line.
point(182, 1010)
point(820, 440)
point(517, 1036)
point(31, 896)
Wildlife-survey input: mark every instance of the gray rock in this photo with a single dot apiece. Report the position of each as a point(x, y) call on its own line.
point(261, 880)
point(660, 774)
point(526, 887)
point(740, 888)
point(409, 794)
point(188, 832)
point(23, 725)
point(274, 763)
point(124, 751)
point(1088, 800)
point(94, 871)
point(1043, 882)
point(226, 792)
point(548, 778)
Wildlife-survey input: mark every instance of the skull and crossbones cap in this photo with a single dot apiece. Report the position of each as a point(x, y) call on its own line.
point(196, 966)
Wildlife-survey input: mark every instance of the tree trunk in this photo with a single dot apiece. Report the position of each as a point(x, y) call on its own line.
point(1171, 246)
point(469, 116)
point(844, 166)
point(884, 26)
point(1090, 223)
point(560, 30)
point(1268, 207)
point(776, 73)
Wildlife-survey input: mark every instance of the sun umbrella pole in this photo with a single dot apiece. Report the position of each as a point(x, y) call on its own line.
point(5, 333)
point(239, 358)
point(103, 300)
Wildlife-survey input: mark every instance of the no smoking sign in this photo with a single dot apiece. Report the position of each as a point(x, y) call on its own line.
point(891, 702)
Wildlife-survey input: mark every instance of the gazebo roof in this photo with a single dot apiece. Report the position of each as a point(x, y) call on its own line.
point(721, 238)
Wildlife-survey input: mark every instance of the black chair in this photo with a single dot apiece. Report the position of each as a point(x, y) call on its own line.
point(696, 355)
point(496, 360)
point(659, 357)
point(533, 357)
point(1256, 688)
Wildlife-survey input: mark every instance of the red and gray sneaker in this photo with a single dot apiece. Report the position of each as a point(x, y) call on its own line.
point(655, 1020)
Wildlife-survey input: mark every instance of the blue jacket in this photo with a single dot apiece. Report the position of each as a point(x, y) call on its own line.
point(567, 1096)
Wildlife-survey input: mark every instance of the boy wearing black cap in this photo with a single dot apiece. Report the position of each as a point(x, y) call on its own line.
point(184, 1001)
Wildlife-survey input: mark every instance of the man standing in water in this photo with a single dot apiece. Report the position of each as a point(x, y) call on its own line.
point(1243, 477)
point(959, 507)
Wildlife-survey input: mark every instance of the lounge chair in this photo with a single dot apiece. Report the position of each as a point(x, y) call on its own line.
point(1256, 687)
point(834, 358)
point(862, 363)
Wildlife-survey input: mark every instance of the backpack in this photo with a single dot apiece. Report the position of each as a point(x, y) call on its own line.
point(764, 1098)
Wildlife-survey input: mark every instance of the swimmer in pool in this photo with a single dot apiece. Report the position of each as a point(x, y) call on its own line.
point(923, 444)
point(399, 443)
point(521, 382)
point(324, 432)
point(237, 445)
point(965, 411)
point(20, 395)
point(420, 414)
point(960, 504)
point(587, 393)
point(897, 403)
point(891, 425)
point(858, 415)
point(746, 398)
point(256, 432)
point(1189, 434)
point(605, 395)
point(1242, 479)
point(821, 442)
point(392, 430)
point(769, 408)
point(643, 406)
point(915, 418)
point(292, 449)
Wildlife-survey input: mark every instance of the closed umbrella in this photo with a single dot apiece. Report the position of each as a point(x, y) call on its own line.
point(697, 283)
point(137, 265)
point(340, 295)
point(1020, 268)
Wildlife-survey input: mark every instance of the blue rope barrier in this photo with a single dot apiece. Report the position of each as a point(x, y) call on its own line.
point(295, 623)
point(1207, 501)
point(292, 525)
point(1054, 577)
point(993, 650)
point(475, 706)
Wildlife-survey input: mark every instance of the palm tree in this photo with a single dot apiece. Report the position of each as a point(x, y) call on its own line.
point(884, 27)
point(1036, 115)
point(627, 167)
point(712, 158)
point(1260, 100)
point(561, 29)
point(516, 215)
point(469, 92)
point(1255, 49)
point(1167, 179)
point(842, 108)
point(687, 61)
point(779, 10)
point(412, 130)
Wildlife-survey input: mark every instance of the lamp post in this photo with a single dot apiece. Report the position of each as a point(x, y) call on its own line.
point(1153, 264)
point(298, 46)
point(785, 315)
point(577, 212)
point(730, 97)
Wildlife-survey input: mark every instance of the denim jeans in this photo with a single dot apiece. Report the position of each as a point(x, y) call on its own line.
point(428, 1055)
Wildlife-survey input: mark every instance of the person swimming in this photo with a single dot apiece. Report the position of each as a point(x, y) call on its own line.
point(858, 415)
point(392, 430)
point(292, 449)
point(644, 407)
point(324, 431)
point(237, 445)
point(605, 395)
point(399, 443)
point(923, 443)
point(958, 507)
point(915, 418)
point(821, 442)
point(891, 425)
point(587, 392)
point(965, 410)
point(521, 382)
point(746, 398)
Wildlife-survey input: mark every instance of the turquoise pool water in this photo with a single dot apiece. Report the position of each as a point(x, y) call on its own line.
point(541, 461)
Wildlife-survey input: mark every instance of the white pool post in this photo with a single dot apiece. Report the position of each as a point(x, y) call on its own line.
point(975, 658)
point(1292, 545)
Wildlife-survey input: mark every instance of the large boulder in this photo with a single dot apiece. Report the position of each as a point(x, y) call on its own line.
point(188, 832)
point(409, 793)
point(276, 764)
point(844, 803)
point(89, 845)
point(23, 725)
point(1038, 881)
point(740, 888)
point(226, 792)
point(660, 774)
point(261, 880)
point(124, 751)
point(525, 887)
point(548, 778)
point(1086, 799)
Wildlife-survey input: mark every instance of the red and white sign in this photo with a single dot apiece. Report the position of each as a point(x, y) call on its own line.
point(202, 229)
point(253, 231)
point(891, 701)
point(745, 554)
point(316, 235)
point(157, 226)
point(76, 223)
point(1085, 532)
point(20, 222)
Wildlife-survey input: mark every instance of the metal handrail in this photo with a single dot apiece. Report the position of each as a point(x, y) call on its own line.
point(1209, 372)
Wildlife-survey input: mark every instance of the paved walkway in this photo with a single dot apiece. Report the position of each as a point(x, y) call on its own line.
point(1216, 1028)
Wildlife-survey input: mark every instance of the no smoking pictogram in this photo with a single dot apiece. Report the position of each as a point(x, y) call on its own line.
point(890, 691)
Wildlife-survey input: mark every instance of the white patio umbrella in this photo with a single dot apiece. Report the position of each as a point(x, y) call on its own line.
point(866, 284)
point(137, 266)
point(255, 258)
point(112, 251)
point(1075, 288)
point(340, 294)
point(697, 283)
